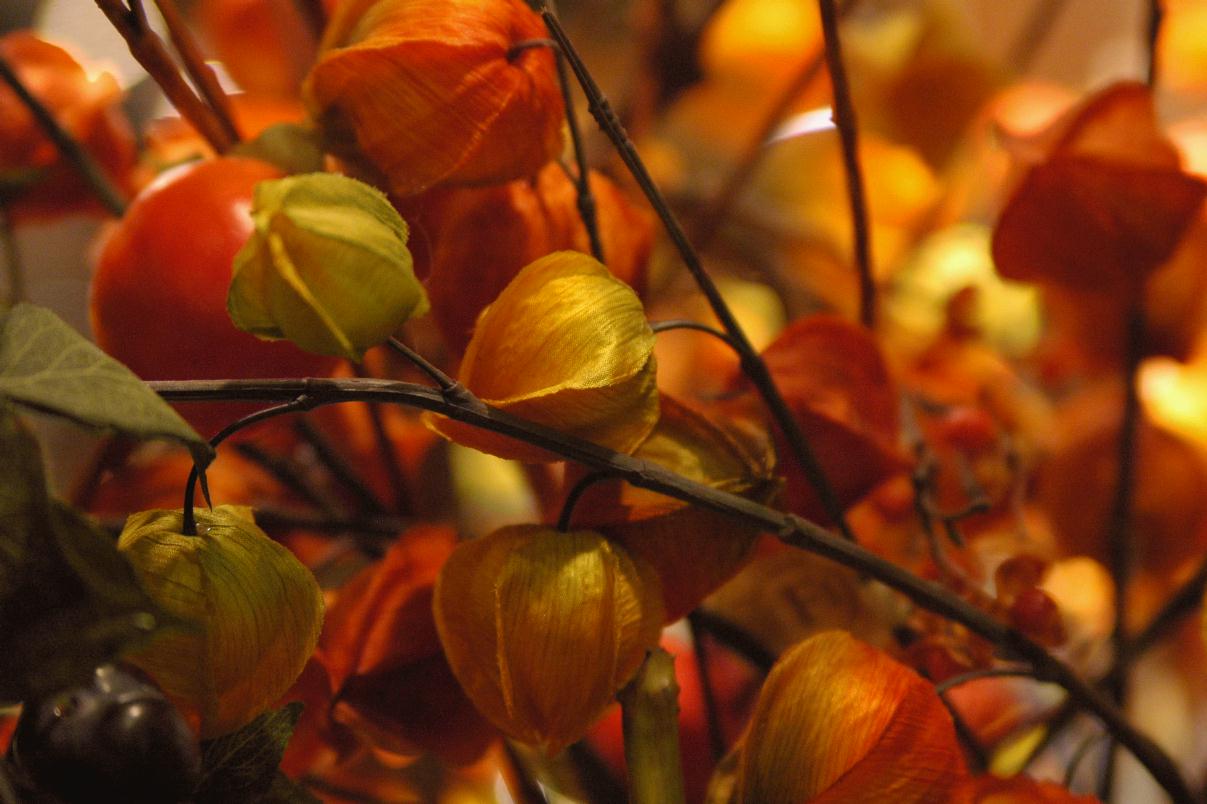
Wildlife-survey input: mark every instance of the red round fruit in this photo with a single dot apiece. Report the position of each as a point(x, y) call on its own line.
point(159, 289)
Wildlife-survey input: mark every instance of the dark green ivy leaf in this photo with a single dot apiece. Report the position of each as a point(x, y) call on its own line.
point(48, 366)
point(68, 600)
point(243, 766)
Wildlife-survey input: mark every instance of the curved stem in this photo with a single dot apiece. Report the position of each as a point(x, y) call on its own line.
point(683, 323)
point(573, 496)
point(752, 363)
point(190, 523)
point(946, 686)
point(582, 181)
point(848, 133)
point(790, 529)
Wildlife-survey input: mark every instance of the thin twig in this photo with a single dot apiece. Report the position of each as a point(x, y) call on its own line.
point(716, 209)
point(943, 687)
point(1042, 19)
point(337, 467)
point(848, 133)
point(682, 323)
point(516, 775)
point(978, 759)
point(203, 76)
point(1188, 599)
point(386, 452)
point(68, 146)
point(789, 528)
point(574, 495)
point(1156, 14)
point(190, 525)
point(149, 51)
point(1119, 524)
point(315, 15)
point(716, 729)
point(582, 181)
point(752, 364)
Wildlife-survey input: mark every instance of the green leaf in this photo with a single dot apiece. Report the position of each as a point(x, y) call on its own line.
point(48, 366)
point(68, 599)
point(243, 766)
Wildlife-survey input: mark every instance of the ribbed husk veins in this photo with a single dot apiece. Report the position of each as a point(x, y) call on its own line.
point(542, 628)
point(252, 612)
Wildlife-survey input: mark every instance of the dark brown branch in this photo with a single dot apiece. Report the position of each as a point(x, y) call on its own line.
point(791, 529)
point(204, 78)
point(582, 179)
point(149, 50)
point(1119, 525)
point(752, 363)
point(848, 132)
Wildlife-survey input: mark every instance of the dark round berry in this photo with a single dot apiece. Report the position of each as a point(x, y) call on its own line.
point(116, 739)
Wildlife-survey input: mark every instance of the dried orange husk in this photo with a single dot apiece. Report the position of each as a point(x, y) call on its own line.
point(265, 45)
point(1106, 204)
point(1090, 330)
point(567, 345)
point(990, 789)
point(542, 628)
point(784, 596)
point(477, 239)
point(422, 92)
point(838, 720)
point(87, 106)
point(1075, 487)
point(252, 611)
point(837, 384)
point(692, 549)
point(390, 679)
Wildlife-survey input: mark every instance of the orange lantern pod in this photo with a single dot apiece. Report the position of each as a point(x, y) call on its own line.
point(478, 239)
point(566, 344)
point(543, 627)
point(265, 45)
point(87, 106)
point(391, 681)
point(836, 382)
point(693, 550)
point(838, 720)
point(420, 92)
point(1105, 202)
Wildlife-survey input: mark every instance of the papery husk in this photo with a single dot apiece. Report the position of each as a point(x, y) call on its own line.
point(391, 682)
point(542, 628)
point(87, 106)
point(565, 345)
point(836, 382)
point(470, 242)
point(693, 550)
point(839, 721)
point(420, 92)
point(327, 267)
point(1105, 205)
point(252, 613)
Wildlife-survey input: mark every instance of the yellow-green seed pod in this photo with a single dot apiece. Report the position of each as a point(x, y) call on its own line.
point(253, 613)
point(542, 628)
point(327, 266)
